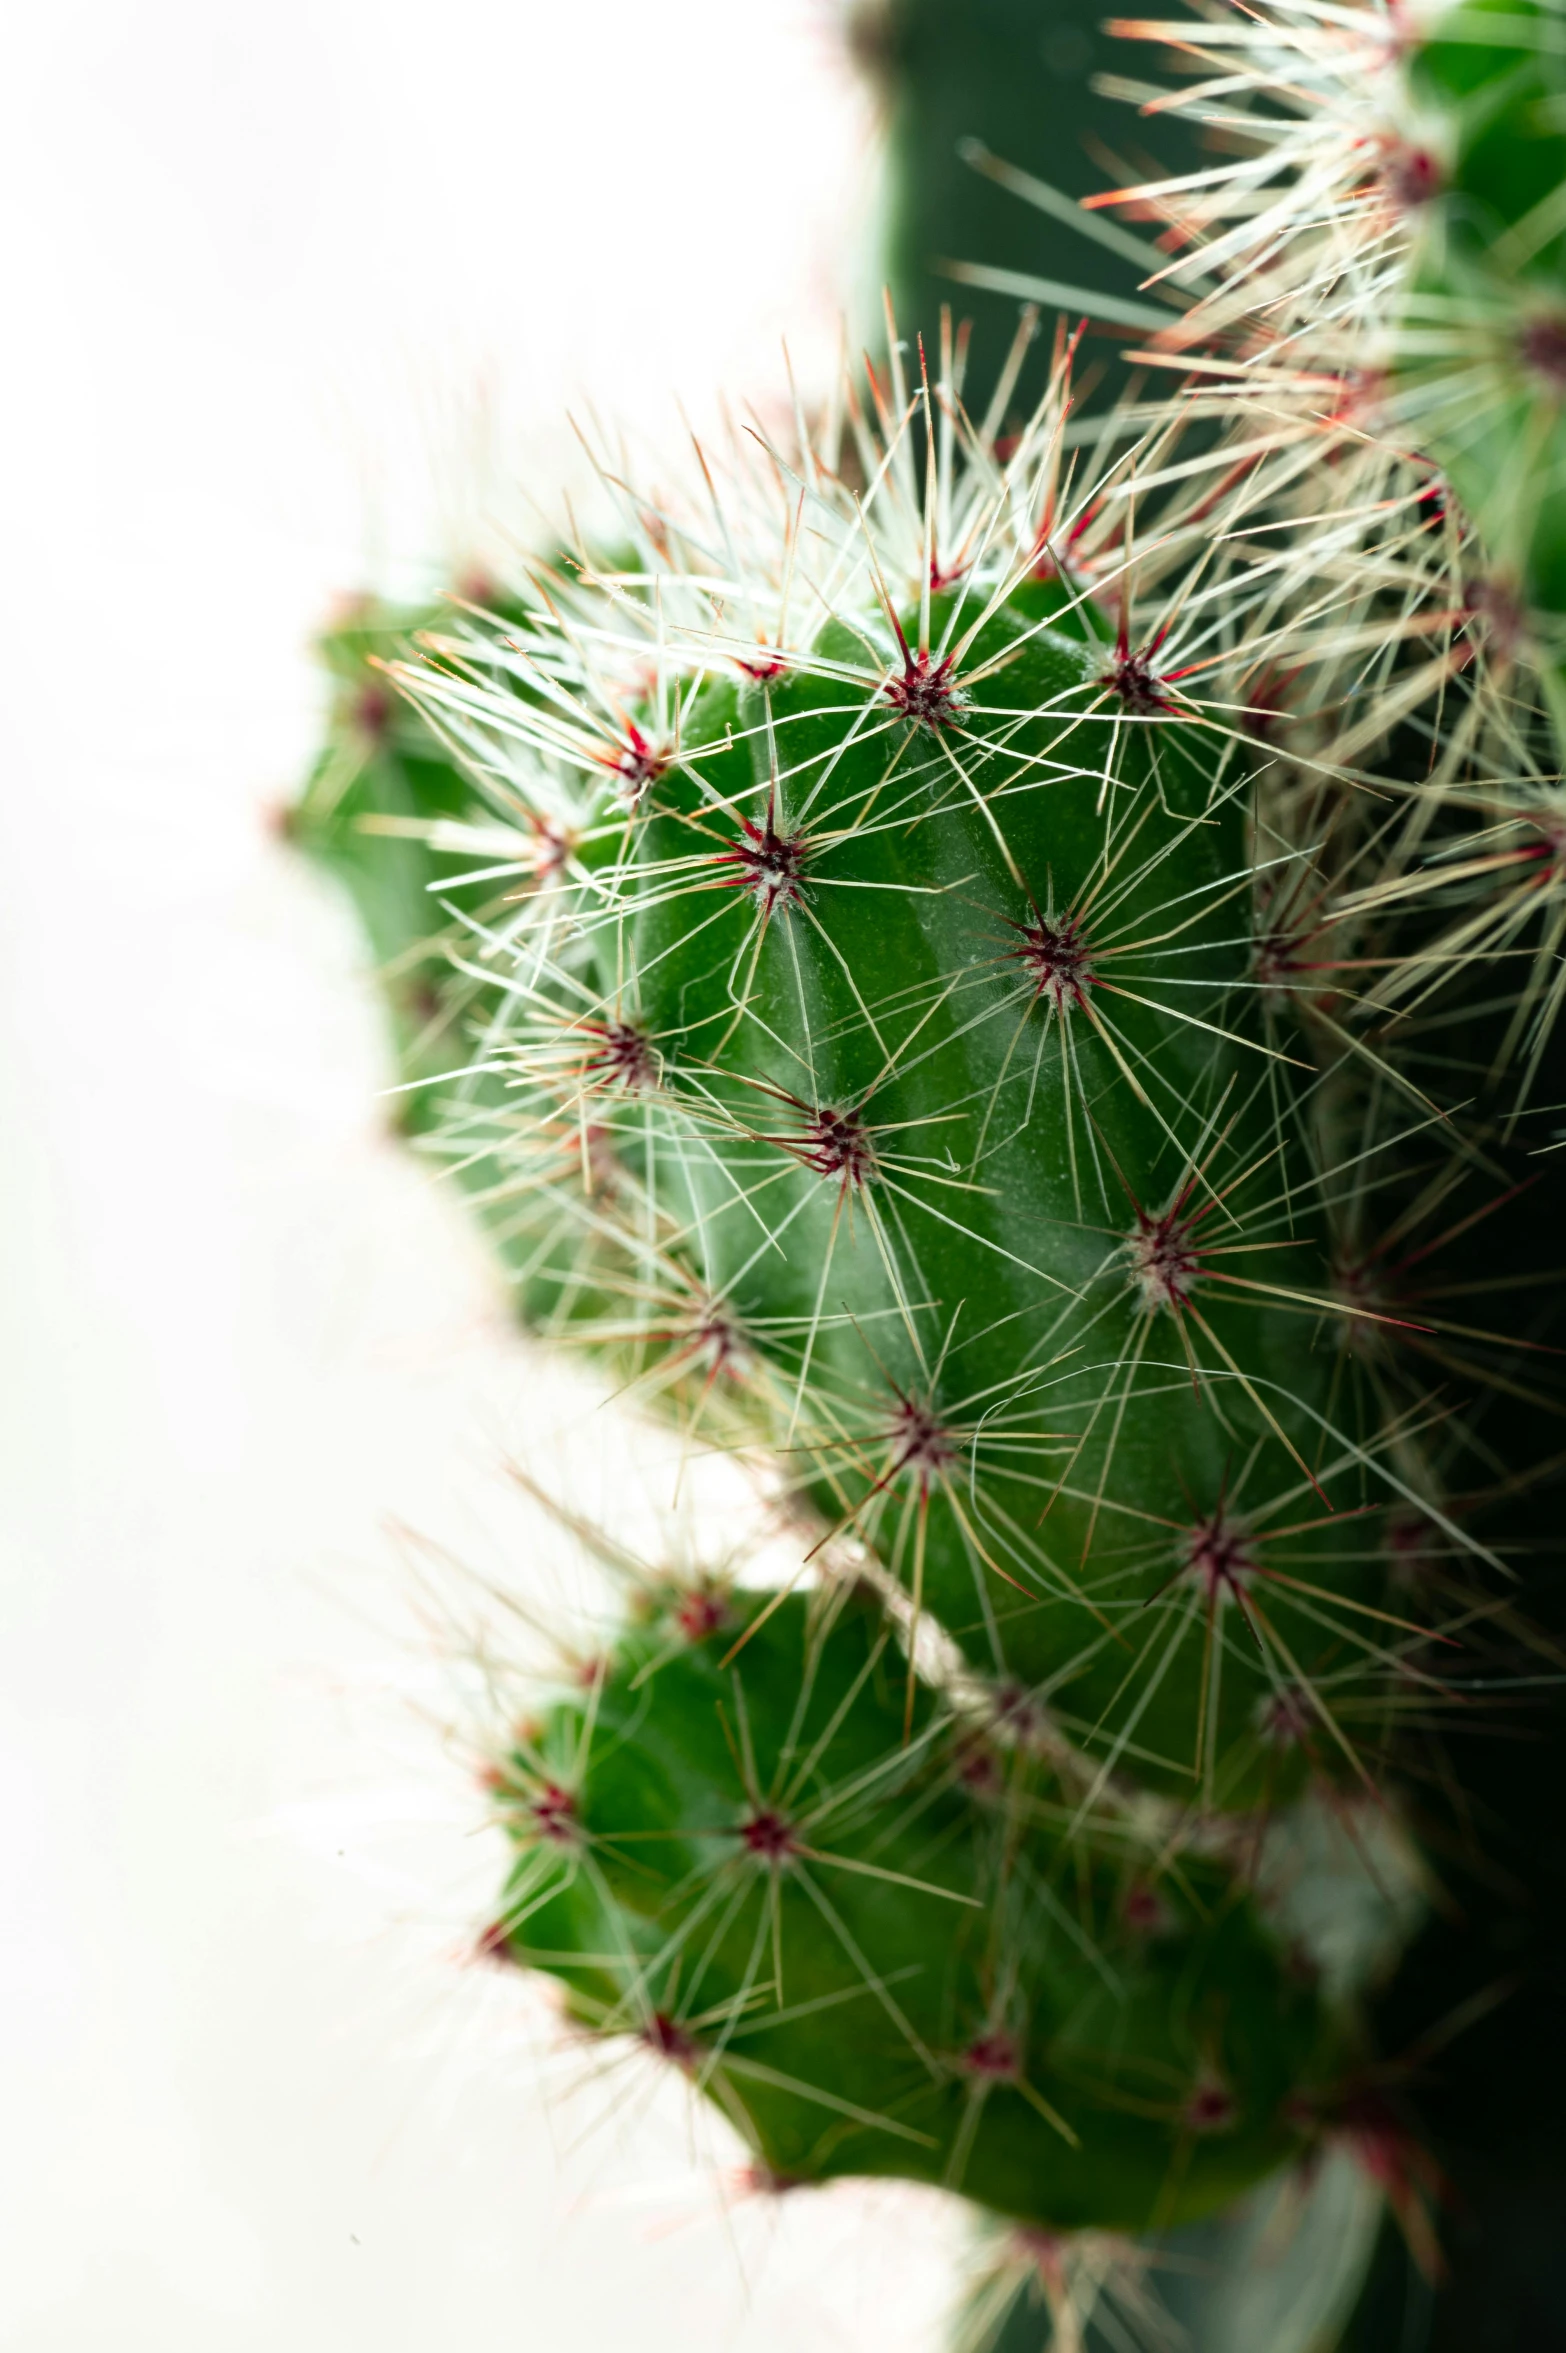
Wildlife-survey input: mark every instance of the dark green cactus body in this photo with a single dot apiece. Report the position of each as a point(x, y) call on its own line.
point(889, 1065)
point(892, 1062)
point(878, 1960)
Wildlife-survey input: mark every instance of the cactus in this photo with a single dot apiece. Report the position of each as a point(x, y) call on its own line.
point(865, 1938)
point(906, 995)
point(1007, 977)
point(1399, 271)
point(1388, 257)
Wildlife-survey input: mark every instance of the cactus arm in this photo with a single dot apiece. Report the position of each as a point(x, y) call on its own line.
point(777, 1886)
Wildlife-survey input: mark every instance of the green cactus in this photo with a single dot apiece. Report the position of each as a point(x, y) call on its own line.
point(1406, 262)
point(984, 973)
point(1381, 268)
point(957, 1148)
point(911, 995)
point(1479, 369)
point(871, 1946)
point(897, 960)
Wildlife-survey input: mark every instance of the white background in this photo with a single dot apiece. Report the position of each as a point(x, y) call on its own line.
point(291, 294)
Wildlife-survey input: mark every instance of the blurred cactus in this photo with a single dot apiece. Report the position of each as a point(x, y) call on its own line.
point(383, 781)
point(1481, 351)
point(977, 97)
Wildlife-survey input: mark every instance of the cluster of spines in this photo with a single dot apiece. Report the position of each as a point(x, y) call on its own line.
point(1377, 277)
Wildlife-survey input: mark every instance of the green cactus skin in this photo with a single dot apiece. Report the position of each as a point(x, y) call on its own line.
point(877, 1959)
